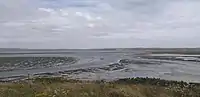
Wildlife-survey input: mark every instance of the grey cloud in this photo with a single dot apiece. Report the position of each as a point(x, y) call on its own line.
point(99, 23)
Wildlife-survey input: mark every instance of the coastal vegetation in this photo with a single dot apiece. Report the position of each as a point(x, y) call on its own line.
point(129, 87)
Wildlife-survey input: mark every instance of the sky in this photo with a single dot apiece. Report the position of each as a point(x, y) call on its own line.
point(68, 24)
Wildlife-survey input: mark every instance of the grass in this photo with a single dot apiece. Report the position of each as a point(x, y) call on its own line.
point(135, 87)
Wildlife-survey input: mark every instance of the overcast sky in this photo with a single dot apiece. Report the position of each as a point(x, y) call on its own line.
point(99, 23)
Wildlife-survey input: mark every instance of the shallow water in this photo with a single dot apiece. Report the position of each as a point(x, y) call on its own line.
point(99, 64)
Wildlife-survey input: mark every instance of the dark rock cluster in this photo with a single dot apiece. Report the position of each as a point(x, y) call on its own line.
point(11, 63)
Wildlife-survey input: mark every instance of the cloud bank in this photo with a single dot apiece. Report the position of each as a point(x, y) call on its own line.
point(99, 23)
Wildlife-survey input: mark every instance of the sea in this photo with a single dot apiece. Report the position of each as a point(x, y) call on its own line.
point(181, 64)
